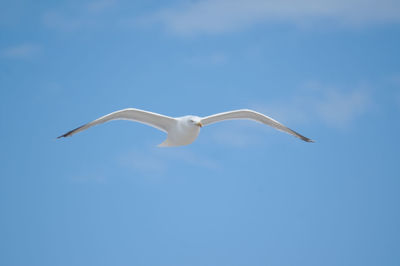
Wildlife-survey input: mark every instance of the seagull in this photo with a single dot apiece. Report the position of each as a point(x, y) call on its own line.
point(184, 130)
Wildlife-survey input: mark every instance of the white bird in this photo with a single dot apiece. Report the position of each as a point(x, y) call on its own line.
point(183, 130)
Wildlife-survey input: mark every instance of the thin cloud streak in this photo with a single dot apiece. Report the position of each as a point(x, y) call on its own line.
point(213, 59)
point(237, 134)
point(96, 176)
point(216, 16)
point(100, 6)
point(340, 109)
point(335, 108)
point(20, 51)
point(79, 17)
point(162, 160)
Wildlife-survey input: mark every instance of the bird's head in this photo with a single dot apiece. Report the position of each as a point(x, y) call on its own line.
point(194, 121)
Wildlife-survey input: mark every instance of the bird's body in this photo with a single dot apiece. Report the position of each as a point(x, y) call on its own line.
point(183, 133)
point(184, 130)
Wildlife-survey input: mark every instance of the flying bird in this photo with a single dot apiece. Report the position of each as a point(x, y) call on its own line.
point(183, 130)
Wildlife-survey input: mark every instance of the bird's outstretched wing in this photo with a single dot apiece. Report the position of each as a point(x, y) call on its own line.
point(158, 121)
point(251, 115)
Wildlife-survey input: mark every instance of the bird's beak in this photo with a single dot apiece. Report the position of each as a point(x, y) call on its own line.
point(199, 124)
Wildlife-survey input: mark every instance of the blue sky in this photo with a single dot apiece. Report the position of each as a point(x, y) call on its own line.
point(242, 193)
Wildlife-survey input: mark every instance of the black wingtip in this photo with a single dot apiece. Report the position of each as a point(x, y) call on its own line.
point(301, 136)
point(70, 133)
point(306, 139)
point(63, 136)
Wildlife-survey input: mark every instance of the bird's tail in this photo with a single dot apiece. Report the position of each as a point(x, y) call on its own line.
point(165, 143)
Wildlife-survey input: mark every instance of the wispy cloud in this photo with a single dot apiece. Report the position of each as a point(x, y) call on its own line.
point(336, 108)
point(237, 134)
point(215, 16)
point(20, 51)
point(339, 109)
point(145, 162)
point(59, 21)
point(214, 59)
point(88, 177)
point(162, 160)
point(100, 6)
point(79, 17)
point(397, 99)
point(395, 80)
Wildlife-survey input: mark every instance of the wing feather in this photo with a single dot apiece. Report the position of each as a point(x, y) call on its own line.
point(158, 121)
point(251, 115)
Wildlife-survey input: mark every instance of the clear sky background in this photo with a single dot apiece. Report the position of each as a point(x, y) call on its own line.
point(243, 193)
